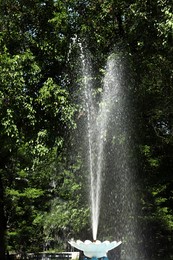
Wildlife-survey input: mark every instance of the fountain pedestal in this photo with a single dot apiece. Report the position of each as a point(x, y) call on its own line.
point(96, 249)
point(95, 258)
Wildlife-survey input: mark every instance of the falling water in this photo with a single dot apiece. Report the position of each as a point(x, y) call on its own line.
point(111, 163)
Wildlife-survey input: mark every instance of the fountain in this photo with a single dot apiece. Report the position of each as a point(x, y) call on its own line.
point(97, 124)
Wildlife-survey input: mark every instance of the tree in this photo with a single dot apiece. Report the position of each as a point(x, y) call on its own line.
point(35, 114)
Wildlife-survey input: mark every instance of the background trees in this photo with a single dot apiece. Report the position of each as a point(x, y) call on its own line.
point(39, 111)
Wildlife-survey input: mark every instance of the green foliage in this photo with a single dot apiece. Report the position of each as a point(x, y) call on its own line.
point(68, 216)
point(164, 212)
point(64, 221)
point(40, 185)
point(54, 101)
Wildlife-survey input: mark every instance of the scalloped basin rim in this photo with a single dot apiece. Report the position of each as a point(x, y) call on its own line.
point(94, 249)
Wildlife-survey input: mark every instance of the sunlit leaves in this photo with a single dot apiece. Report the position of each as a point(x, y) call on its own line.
point(65, 218)
point(54, 100)
point(52, 97)
point(30, 193)
point(18, 73)
point(165, 27)
point(163, 210)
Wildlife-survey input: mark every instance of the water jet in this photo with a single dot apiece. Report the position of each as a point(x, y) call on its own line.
point(97, 121)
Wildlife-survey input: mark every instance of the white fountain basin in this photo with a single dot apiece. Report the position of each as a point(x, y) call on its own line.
point(94, 249)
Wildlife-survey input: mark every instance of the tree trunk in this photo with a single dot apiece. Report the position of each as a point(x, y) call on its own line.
point(2, 222)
